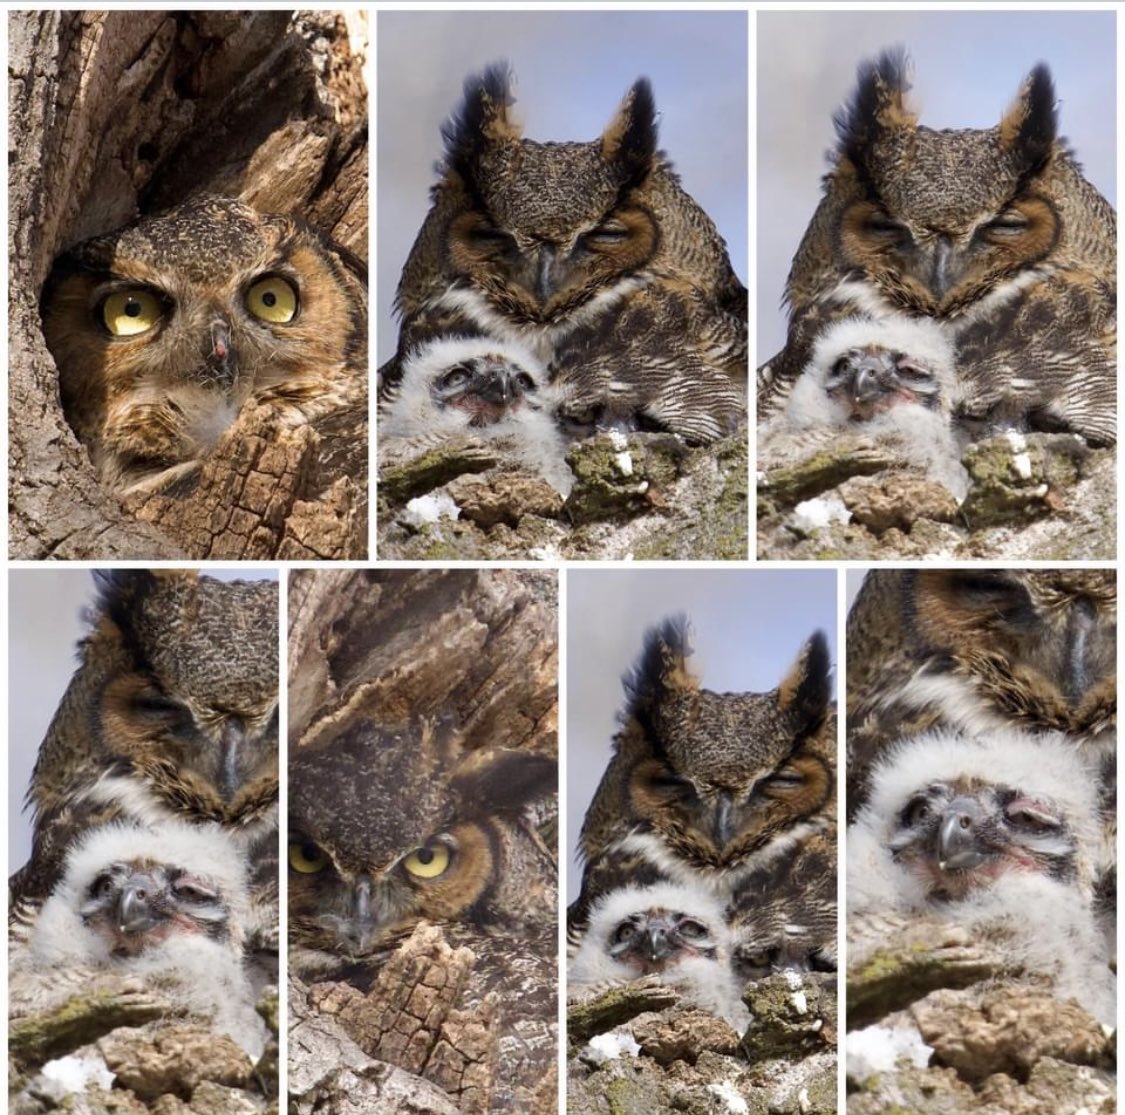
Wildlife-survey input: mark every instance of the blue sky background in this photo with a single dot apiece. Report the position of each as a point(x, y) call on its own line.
point(572, 69)
point(749, 627)
point(967, 69)
point(45, 609)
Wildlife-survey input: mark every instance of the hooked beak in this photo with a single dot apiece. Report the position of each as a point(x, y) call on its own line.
point(220, 361)
point(654, 943)
point(231, 738)
point(134, 904)
point(360, 931)
point(723, 828)
point(957, 848)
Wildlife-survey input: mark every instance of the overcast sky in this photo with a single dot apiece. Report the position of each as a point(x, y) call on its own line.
point(967, 69)
point(45, 622)
point(749, 628)
point(572, 69)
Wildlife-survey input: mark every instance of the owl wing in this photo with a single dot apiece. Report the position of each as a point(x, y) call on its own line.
point(1048, 360)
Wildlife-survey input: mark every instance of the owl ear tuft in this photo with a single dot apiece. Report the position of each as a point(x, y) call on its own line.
point(803, 693)
point(662, 667)
point(878, 106)
point(484, 118)
point(505, 779)
point(630, 137)
point(1030, 125)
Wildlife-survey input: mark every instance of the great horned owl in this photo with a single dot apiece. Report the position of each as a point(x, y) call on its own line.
point(167, 903)
point(476, 388)
point(591, 256)
point(892, 381)
point(993, 233)
point(675, 933)
point(1000, 834)
point(172, 713)
point(734, 793)
point(391, 827)
point(164, 330)
point(981, 649)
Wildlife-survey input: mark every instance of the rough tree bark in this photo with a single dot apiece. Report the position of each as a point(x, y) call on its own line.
point(477, 644)
point(117, 113)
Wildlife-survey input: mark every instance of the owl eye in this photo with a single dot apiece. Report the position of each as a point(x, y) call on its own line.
point(1031, 816)
point(693, 930)
point(611, 232)
point(193, 890)
point(882, 226)
point(1008, 225)
point(916, 812)
point(626, 931)
point(127, 313)
point(525, 383)
point(787, 778)
point(457, 377)
point(428, 862)
point(102, 885)
point(273, 299)
point(490, 239)
point(307, 858)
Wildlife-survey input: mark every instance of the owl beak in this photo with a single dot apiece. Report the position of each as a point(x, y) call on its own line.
point(545, 273)
point(230, 769)
point(942, 274)
point(724, 827)
point(220, 361)
point(654, 943)
point(867, 384)
point(499, 387)
point(360, 932)
point(957, 836)
point(134, 904)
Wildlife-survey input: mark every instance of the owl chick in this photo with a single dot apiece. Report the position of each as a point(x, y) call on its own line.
point(164, 330)
point(477, 387)
point(992, 233)
point(167, 903)
point(719, 791)
point(591, 256)
point(999, 834)
point(891, 380)
point(674, 932)
point(172, 714)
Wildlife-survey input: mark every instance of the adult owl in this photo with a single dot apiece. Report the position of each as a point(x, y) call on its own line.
point(171, 714)
point(588, 254)
point(994, 233)
point(732, 792)
point(165, 330)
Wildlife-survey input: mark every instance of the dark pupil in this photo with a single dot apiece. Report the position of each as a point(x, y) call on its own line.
point(269, 298)
point(425, 855)
point(311, 852)
point(132, 308)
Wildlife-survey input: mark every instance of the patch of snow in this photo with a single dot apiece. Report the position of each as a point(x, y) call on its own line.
point(1021, 462)
point(66, 1075)
point(429, 509)
point(624, 463)
point(1016, 441)
point(609, 1047)
point(728, 1093)
point(618, 440)
point(812, 514)
point(879, 1049)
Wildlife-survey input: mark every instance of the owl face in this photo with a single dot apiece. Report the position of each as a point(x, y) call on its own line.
point(1036, 647)
point(937, 218)
point(572, 229)
point(369, 859)
point(128, 888)
point(162, 330)
point(951, 816)
point(196, 715)
point(722, 776)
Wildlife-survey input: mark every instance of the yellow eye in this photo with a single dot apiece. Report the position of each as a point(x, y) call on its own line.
point(428, 862)
point(273, 299)
point(307, 858)
point(128, 312)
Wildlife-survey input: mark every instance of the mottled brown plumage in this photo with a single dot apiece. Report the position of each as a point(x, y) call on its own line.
point(590, 256)
point(164, 330)
point(994, 233)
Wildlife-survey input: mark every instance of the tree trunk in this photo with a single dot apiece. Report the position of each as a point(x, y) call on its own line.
point(117, 113)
